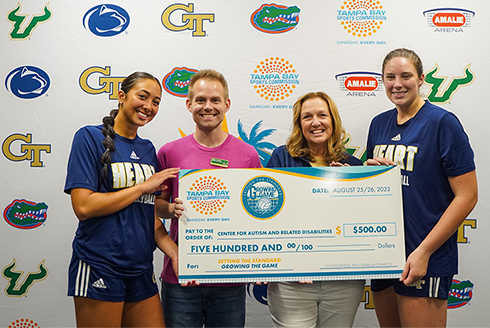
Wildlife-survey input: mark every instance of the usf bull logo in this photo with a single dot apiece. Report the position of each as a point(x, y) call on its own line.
point(15, 288)
point(437, 95)
point(19, 24)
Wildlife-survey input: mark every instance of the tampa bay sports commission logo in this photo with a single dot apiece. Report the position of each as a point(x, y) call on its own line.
point(262, 197)
point(176, 82)
point(274, 79)
point(24, 323)
point(208, 195)
point(25, 214)
point(361, 18)
point(273, 18)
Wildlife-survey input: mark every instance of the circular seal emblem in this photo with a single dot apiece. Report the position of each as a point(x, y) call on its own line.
point(262, 197)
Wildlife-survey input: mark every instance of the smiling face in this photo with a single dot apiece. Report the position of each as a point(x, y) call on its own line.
point(316, 124)
point(208, 104)
point(402, 83)
point(139, 105)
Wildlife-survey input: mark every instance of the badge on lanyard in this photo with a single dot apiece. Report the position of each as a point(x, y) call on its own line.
point(219, 162)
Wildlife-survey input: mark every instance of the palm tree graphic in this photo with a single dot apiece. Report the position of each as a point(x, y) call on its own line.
point(255, 139)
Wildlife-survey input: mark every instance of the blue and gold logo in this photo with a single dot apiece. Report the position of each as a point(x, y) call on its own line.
point(29, 151)
point(262, 197)
point(106, 83)
point(193, 22)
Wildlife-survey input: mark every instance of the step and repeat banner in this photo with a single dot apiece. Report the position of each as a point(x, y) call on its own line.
point(62, 62)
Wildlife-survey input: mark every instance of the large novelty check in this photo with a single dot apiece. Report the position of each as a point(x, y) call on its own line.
point(291, 224)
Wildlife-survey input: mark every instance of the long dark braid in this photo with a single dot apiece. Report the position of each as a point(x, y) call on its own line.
point(108, 129)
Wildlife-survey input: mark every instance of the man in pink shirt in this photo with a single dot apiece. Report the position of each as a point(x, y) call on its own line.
point(209, 147)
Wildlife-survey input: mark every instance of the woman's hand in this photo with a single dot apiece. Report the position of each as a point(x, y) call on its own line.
point(380, 161)
point(154, 183)
point(177, 208)
point(338, 164)
point(415, 267)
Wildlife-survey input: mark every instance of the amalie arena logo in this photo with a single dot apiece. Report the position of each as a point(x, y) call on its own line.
point(274, 79)
point(449, 19)
point(360, 84)
point(273, 18)
point(361, 18)
point(176, 82)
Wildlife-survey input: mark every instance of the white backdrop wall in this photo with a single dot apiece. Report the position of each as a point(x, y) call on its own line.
point(60, 66)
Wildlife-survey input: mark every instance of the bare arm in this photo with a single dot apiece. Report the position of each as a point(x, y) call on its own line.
point(166, 244)
point(167, 210)
point(88, 204)
point(465, 191)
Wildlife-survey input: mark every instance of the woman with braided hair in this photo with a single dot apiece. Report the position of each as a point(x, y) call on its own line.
point(112, 183)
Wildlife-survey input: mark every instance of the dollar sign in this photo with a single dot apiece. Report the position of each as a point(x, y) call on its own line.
point(338, 230)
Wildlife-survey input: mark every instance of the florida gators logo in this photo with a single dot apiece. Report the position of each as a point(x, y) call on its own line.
point(17, 20)
point(15, 288)
point(27, 82)
point(106, 20)
point(177, 81)
point(24, 214)
point(437, 95)
point(460, 294)
point(273, 18)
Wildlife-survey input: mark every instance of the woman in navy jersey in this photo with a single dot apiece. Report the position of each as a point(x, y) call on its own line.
point(111, 180)
point(317, 139)
point(439, 191)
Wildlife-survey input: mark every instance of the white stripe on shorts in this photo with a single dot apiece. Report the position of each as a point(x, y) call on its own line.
point(82, 281)
point(434, 283)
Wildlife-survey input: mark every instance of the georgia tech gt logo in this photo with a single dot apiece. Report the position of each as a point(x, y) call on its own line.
point(17, 20)
point(17, 289)
point(30, 152)
point(107, 84)
point(193, 22)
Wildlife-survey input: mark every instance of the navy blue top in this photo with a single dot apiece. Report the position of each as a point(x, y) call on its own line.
point(281, 158)
point(121, 243)
point(428, 148)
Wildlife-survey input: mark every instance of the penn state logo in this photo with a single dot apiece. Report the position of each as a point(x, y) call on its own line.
point(27, 82)
point(258, 292)
point(262, 197)
point(106, 20)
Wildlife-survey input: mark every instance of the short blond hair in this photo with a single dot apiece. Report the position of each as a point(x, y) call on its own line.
point(209, 74)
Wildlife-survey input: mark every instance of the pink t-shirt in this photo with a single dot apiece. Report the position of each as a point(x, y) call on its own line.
point(186, 153)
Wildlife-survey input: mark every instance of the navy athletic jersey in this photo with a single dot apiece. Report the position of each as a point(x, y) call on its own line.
point(429, 148)
point(121, 243)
